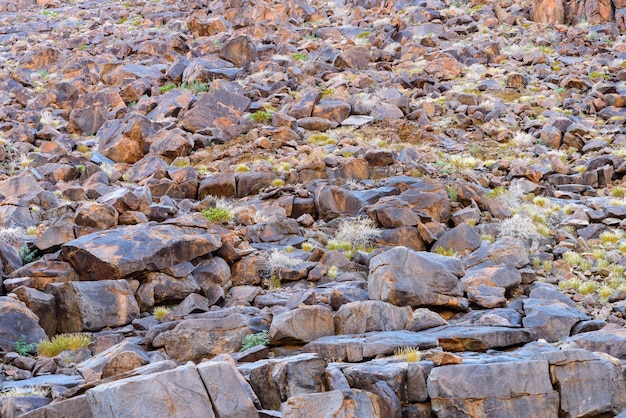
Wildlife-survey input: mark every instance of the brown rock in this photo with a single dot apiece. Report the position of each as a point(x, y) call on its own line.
point(241, 51)
point(17, 321)
point(301, 325)
point(96, 215)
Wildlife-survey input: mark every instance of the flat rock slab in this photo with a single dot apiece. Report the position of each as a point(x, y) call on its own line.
point(45, 381)
point(357, 347)
point(336, 403)
point(611, 341)
point(117, 253)
point(478, 338)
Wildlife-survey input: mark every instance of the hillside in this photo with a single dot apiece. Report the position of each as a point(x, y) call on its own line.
point(307, 208)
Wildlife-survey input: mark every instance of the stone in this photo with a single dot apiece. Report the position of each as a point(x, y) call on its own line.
point(92, 306)
point(549, 319)
point(17, 321)
point(609, 340)
point(77, 407)
point(463, 239)
point(119, 252)
point(205, 335)
point(336, 403)
point(227, 389)
point(356, 347)
point(118, 359)
point(370, 315)
point(240, 50)
point(458, 338)
point(124, 140)
point(424, 318)
point(41, 304)
point(548, 11)
point(173, 393)
point(404, 277)
point(301, 325)
point(504, 251)
point(506, 389)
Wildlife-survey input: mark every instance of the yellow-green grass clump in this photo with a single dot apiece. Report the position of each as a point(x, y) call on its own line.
point(62, 342)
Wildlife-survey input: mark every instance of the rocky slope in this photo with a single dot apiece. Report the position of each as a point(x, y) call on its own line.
point(396, 209)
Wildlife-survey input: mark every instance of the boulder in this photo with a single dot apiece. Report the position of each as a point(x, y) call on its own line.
point(173, 393)
point(371, 315)
point(404, 277)
point(507, 389)
point(302, 325)
point(92, 306)
point(550, 320)
point(123, 251)
point(17, 322)
point(336, 404)
point(76, 407)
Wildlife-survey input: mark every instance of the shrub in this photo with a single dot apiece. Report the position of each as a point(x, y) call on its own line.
point(252, 340)
point(22, 348)
point(407, 353)
point(261, 116)
point(519, 226)
point(359, 233)
point(160, 311)
point(218, 215)
point(18, 392)
point(167, 87)
point(27, 255)
point(63, 342)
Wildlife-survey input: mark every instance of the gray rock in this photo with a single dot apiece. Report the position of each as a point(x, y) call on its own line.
point(550, 320)
point(371, 315)
point(335, 404)
point(173, 393)
point(404, 277)
point(302, 325)
point(509, 389)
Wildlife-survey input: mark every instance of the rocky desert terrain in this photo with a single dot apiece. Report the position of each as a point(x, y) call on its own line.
point(312, 208)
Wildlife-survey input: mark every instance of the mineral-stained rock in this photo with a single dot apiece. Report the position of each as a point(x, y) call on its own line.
point(357, 347)
point(276, 380)
point(370, 315)
point(521, 388)
point(41, 304)
point(478, 338)
point(16, 406)
point(119, 252)
point(228, 390)
point(173, 393)
point(303, 324)
point(124, 140)
point(550, 319)
point(17, 321)
point(463, 239)
point(77, 407)
point(404, 277)
point(120, 358)
point(506, 250)
point(336, 403)
point(609, 340)
point(92, 306)
point(205, 335)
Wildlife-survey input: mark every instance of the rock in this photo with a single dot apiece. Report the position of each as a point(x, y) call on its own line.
point(550, 320)
point(478, 338)
point(301, 325)
point(124, 141)
point(17, 321)
point(92, 306)
point(404, 277)
point(241, 51)
point(17, 406)
point(178, 392)
point(608, 340)
point(336, 403)
point(274, 381)
point(357, 57)
point(205, 335)
point(228, 390)
point(463, 239)
point(77, 406)
point(511, 389)
point(221, 107)
point(423, 318)
point(43, 305)
point(356, 347)
point(118, 359)
point(505, 251)
point(371, 315)
point(548, 11)
point(119, 252)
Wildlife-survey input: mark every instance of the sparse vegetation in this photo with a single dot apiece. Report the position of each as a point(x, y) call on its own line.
point(252, 340)
point(62, 342)
point(218, 215)
point(159, 312)
point(410, 354)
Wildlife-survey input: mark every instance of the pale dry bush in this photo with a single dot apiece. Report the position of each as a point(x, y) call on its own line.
point(519, 226)
point(12, 235)
point(278, 260)
point(359, 233)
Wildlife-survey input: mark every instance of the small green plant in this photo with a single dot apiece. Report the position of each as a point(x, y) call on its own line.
point(307, 246)
point(167, 87)
point(27, 255)
point(448, 252)
point(159, 312)
point(410, 354)
point(22, 348)
point(321, 139)
point(278, 182)
point(196, 87)
point(63, 342)
point(299, 56)
point(289, 248)
point(218, 215)
point(242, 168)
point(261, 116)
point(252, 340)
point(453, 192)
point(608, 237)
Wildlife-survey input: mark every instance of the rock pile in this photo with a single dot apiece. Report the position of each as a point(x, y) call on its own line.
point(312, 208)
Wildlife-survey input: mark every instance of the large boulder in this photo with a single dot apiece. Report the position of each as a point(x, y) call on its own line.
point(336, 404)
point(123, 251)
point(371, 315)
point(409, 278)
point(92, 306)
point(17, 322)
point(507, 389)
point(302, 325)
point(172, 393)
